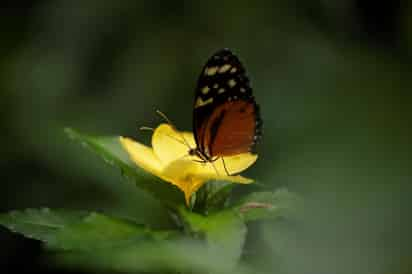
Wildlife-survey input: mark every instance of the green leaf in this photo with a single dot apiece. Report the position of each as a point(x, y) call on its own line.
point(110, 149)
point(173, 256)
point(269, 205)
point(225, 232)
point(76, 230)
point(96, 231)
point(40, 224)
point(219, 195)
point(213, 196)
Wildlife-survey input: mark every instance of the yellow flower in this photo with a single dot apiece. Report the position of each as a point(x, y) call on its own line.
point(169, 159)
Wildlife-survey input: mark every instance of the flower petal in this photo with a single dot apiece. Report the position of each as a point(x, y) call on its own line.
point(189, 176)
point(170, 160)
point(233, 179)
point(170, 145)
point(234, 164)
point(142, 155)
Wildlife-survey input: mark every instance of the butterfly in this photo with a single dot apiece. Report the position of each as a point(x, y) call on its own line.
point(226, 117)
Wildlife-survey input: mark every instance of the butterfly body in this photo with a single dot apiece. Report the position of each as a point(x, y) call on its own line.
point(226, 117)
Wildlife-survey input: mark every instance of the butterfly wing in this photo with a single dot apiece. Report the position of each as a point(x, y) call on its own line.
point(232, 128)
point(226, 118)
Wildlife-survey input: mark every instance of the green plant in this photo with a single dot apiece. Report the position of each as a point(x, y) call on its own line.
point(210, 229)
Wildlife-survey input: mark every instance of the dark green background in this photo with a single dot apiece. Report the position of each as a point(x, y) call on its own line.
point(332, 78)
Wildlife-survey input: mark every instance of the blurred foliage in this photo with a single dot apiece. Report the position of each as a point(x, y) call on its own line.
point(332, 78)
point(76, 235)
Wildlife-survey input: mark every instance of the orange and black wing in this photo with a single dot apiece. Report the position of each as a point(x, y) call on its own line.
point(226, 118)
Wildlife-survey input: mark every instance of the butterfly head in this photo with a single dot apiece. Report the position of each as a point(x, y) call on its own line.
point(202, 155)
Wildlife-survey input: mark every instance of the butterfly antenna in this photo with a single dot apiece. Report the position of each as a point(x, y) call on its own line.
point(147, 128)
point(165, 117)
point(152, 129)
point(170, 123)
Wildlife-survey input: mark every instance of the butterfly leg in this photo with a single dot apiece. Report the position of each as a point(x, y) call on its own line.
point(224, 165)
point(211, 161)
point(199, 161)
point(214, 167)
